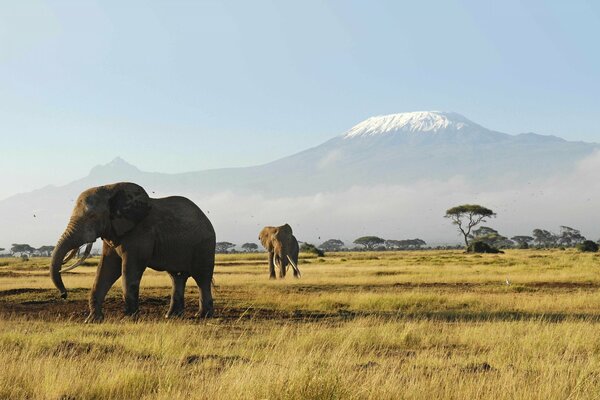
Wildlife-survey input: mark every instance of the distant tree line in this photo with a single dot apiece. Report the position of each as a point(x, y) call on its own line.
point(25, 250)
point(372, 243)
point(539, 238)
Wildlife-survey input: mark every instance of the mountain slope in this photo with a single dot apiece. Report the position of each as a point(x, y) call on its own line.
point(398, 149)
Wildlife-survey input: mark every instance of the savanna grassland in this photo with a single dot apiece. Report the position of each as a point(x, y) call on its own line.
point(415, 325)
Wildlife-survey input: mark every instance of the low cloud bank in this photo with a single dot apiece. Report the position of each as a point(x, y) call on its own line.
point(417, 210)
point(389, 211)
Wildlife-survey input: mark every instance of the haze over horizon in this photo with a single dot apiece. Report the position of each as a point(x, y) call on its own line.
point(187, 87)
point(392, 176)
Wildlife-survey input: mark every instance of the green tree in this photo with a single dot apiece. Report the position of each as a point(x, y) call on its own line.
point(332, 245)
point(45, 250)
point(311, 248)
point(250, 247)
point(522, 241)
point(467, 216)
point(369, 242)
point(570, 237)
point(224, 247)
point(21, 249)
point(405, 244)
point(587, 246)
point(544, 238)
point(491, 237)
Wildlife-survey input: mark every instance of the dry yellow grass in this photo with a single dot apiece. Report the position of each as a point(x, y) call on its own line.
point(415, 325)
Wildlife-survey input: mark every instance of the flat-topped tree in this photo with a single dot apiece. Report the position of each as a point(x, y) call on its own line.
point(522, 241)
point(250, 247)
point(369, 242)
point(332, 245)
point(224, 247)
point(21, 249)
point(45, 250)
point(491, 237)
point(544, 238)
point(570, 236)
point(467, 216)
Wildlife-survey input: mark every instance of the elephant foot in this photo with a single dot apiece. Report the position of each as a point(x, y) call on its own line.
point(205, 313)
point(132, 314)
point(171, 314)
point(94, 317)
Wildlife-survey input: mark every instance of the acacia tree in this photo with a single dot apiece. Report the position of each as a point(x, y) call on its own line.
point(570, 236)
point(332, 245)
point(467, 216)
point(45, 250)
point(250, 247)
point(491, 237)
point(21, 249)
point(522, 241)
point(369, 242)
point(224, 247)
point(544, 238)
point(405, 244)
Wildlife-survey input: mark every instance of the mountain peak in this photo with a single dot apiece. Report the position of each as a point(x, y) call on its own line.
point(117, 165)
point(417, 121)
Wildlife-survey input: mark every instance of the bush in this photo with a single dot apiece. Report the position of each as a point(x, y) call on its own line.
point(482, 247)
point(588, 246)
point(311, 248)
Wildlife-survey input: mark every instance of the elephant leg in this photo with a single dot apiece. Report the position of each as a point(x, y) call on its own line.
point(177, 295)
point(271, 266)
point(206, 300)
point(203, 275)
point(109, 270)
point(282, 265)
point(295, 268)
point(132, 275)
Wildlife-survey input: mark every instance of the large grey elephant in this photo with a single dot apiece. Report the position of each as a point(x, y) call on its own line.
point(168, 234)
point(282, 247)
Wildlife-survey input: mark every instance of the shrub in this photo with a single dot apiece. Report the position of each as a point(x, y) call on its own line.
point(311, 248)
point(482, 247)
point(588, 246)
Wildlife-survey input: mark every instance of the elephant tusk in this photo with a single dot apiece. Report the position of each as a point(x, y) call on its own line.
point(85, 255)
point(70, 255)
point(294, 266)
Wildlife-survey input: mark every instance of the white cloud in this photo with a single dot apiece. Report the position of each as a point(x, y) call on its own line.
point(390, 211)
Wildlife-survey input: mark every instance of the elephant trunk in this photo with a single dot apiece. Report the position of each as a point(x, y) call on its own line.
point(69, 241)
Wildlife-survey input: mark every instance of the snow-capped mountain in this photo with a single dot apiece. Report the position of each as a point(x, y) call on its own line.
point(417, 146)
point(399, 149)
point(415, 122)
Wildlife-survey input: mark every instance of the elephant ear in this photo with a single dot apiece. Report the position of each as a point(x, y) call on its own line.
point(265, 237)
point(128, 206)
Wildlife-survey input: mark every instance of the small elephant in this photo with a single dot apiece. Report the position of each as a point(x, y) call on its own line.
point(168, 234)
point(282, 247)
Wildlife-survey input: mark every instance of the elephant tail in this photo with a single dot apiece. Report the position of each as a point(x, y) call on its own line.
point(294, 266)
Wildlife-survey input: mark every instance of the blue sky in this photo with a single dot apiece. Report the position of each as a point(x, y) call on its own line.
point(179, 86)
